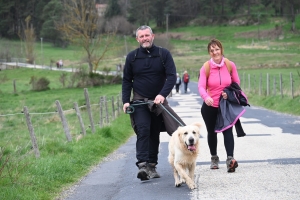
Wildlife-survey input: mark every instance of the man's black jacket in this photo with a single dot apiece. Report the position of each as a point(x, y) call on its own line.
point(148, 74)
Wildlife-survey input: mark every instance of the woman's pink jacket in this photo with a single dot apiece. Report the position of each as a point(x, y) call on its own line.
point(219, 78)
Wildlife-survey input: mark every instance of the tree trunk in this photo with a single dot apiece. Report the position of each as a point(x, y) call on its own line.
point(90, 67)
point(293, 18)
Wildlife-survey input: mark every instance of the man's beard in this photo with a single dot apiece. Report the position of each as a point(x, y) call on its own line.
point(147, 44)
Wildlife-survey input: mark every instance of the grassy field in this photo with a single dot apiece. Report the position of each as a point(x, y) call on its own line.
point(61, 163)
point(254, 46)
point(254, 49)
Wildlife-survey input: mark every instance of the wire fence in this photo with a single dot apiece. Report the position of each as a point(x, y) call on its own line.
point(31, 131)
point(268, 84)
point(271, 84)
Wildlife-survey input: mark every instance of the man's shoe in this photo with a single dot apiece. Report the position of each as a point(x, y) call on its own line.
point(214, 162)
point(152, 170)
point(231, 164)
point(143, 173)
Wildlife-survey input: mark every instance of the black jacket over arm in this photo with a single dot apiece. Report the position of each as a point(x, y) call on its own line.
point(231, 109)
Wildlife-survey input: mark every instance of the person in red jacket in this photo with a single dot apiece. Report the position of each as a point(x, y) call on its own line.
point(210, 89)
point(186, 80)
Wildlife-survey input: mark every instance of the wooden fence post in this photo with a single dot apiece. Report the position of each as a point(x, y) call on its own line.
point(31, 132)
point(88, 108)
point(15, 86)
point(101, 112)
point(280, 84)
point(244, 80)
point(113, 108)
point(121, 102)
point(260, 84)
point(268, 83)
point(255, 83)
point(249, 82)
point(292, 84)
point(274, 86)
point(63, 121)
point(79, 118)
point(118, 105)
point(106, 110)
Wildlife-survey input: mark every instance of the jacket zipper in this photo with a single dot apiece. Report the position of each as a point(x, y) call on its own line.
point(220, 76)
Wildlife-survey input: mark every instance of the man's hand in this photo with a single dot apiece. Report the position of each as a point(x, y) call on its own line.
point(159, 99)
point(125, 106)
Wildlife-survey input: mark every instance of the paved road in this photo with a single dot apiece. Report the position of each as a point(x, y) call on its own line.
point(65, 69)
point(269, 162)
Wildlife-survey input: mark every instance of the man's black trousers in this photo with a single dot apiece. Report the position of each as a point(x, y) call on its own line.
point(148, 127)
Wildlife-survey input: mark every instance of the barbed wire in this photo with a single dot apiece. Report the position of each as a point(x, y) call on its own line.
point(11, 114)
point(46, 113)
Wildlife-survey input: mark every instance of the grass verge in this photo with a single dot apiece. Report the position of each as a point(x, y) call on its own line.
point(283, 104)
point(63, 164)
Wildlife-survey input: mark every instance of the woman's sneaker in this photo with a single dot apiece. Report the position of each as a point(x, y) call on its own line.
point(214, 162)
point(231, 164)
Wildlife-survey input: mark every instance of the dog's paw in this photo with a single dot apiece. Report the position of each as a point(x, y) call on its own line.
point(178, 184)
point(192, 186)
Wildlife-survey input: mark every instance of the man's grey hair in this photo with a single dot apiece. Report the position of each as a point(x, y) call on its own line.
point(144, 27)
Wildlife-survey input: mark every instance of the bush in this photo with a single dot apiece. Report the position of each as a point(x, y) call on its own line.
point(39, 85)
point(96, 79)
point(63, 78)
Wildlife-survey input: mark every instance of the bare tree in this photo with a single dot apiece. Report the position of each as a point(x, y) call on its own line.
point(28, 36)
point(81, 25)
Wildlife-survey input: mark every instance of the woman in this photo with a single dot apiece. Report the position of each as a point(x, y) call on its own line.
point(210, 89)
point(178, 83)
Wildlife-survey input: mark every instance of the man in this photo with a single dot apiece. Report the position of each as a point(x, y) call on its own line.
point(178, 83)
point(149, 73)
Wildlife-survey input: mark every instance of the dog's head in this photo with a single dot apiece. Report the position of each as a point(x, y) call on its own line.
point(189, 135)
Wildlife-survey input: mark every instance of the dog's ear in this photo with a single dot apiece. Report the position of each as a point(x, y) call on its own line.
point(198, 124)
point(179, 130)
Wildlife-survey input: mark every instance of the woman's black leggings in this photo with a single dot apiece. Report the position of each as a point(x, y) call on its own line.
point(209, 115)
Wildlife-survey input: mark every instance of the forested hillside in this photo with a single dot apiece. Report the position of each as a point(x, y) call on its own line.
point(98, 27)
point(121, 15)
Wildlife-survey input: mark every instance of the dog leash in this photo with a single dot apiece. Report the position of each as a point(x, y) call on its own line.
point(171, 114)
point(130, 109)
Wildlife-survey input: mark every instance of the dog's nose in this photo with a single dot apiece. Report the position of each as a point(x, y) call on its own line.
point(191, 140)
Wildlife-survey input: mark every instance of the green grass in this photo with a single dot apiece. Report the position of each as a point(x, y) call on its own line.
point(61, 163)
point(277, 103)
point(13, 104)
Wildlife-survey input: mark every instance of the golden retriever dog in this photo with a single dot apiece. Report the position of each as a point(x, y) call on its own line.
point(183, 152)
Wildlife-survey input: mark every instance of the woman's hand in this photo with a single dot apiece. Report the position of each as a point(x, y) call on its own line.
point(224, 95)
point(209, 101)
